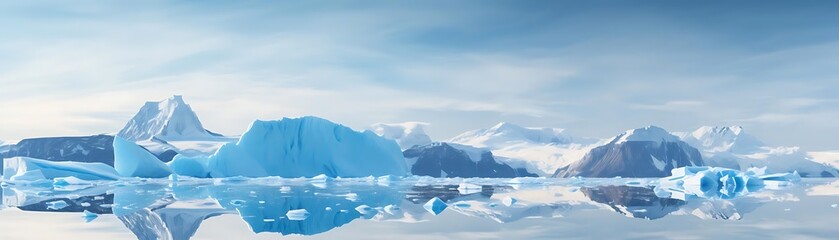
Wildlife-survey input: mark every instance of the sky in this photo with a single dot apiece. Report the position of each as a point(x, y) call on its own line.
point(595, 68)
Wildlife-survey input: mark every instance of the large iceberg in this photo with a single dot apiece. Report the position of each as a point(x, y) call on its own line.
point(301, 147)
point(31, 169)
point(131, 160)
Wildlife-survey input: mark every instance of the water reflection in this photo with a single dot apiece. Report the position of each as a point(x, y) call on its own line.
point(165, 210)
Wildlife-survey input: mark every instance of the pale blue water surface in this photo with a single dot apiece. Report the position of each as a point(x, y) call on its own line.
point(391, 208)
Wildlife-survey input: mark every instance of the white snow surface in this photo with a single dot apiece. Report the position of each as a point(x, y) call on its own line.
point(646, 134)
point(721, 145)
point(131, 160)
point(539, 150)
point(170, 119)
point(307, 147)
point(406, 134)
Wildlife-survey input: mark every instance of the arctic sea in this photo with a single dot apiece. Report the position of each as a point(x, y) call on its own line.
point(410, 208)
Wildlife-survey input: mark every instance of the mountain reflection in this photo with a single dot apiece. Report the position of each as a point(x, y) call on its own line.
point(167, 210)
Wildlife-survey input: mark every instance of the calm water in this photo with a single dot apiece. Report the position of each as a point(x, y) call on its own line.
point(380, 209)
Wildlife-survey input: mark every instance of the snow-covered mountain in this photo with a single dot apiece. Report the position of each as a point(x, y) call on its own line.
point(455, 160)
point(644, 152)
point(407, 134)
point(170, 119)
point(827, 157)
point(95, 148)
point(732, 147)
point(539, 150)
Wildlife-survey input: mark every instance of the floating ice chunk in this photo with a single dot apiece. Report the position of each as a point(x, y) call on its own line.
point(89, 216)
point(364, 209)
point(462, 205)
point(351, 196)
point(31, 169)
point(834, 205)
point(285, 189)
point(715, 182)
point(85, 204)
point(435, 206)
point(468, 188)
point(66, 181)
point(131, 160)
point(297, 215)
point(509, 201)
point(392, 209)
point(57, 205)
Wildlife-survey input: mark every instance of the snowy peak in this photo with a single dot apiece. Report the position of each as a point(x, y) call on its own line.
point(646, 134)
point(406, 134)
point(723, 139)
point(169, 119)
point(507, 132)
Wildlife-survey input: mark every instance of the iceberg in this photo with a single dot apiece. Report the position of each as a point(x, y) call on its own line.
point(297, 215)
point(131, 160)
point(435, 206)
point(31, 169)
point(195, 166)
point(713, 182)
point(307, 147)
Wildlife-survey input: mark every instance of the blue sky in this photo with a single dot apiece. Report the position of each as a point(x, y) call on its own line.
point(595, 68)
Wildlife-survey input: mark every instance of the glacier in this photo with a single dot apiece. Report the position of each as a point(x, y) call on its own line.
point(131, 160)
point(302, 147)
point(31, 169)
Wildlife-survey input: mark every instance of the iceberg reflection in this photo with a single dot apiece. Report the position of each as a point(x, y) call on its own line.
point(175, 210)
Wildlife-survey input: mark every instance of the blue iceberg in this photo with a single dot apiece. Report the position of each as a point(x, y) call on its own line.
point(131, 160)
point(31, 169)
point(300, 147)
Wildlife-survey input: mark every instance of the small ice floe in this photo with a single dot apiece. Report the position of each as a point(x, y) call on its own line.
point(57, 205)
point(84, 204)
point(89, 216)
point(285, 189)
point(392, 209)
point(237, 202)
point(508, 201)
point(462, 205)
point(435, 206)
point(297, 215)
point(834, 205)
point(328, 208)
point(351, 196)
point(468, 188)
point(364, 209)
